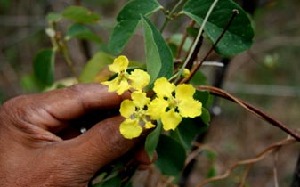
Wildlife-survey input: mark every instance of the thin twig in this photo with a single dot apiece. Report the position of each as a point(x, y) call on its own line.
point(66, 56)
point(250, 108)
point(235, 12)
point(170, 15)
point(196, 42)
point(244, 176)
point(257, 158)
point(275, 171)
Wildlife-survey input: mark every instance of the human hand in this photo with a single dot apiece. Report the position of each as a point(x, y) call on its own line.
point(32, 152)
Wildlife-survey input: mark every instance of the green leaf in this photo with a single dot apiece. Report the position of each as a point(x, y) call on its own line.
point(203, 97)
point(193, 32)
point(80, 14)
point(82, 32)
point(135, 8)
point(238, 37)
point(171, 156)
point(43, 66)
point(121, 34)
point(30, 84)
point(53, 17)
point(177, 38)
point(187, 131)
point(128, 18)
point(5, 4)
point(159, 58)
point(205, 116)
point(152, 140)
point(94, 66)
point(199, 79)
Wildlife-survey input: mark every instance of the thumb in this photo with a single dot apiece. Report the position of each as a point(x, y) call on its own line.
point(98, 146)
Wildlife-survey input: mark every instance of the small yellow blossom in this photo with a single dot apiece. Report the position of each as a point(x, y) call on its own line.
point(124, 81)
point(139, 79)
point(119, 65)
point(135, 112)
point(180, 103)
point(120, 83)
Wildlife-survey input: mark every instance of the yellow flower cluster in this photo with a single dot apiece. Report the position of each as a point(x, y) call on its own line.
point(170, 103)
point(124, 81)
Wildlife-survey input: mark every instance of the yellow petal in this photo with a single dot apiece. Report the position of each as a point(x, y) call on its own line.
point(130, 129)
point(170, 120)
point(190, 108)
point(162, 87)
point(127, 108)
point(123, 86)
point(184, 91)
point(119, 64)
point(157, 107)
point(139, 79)
point(149, 125)
point(113, 85)
point(140, 99)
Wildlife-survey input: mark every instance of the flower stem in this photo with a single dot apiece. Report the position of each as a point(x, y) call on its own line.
point(66, 56)
point(169, 16)
point(195, 69)
point(199, 36)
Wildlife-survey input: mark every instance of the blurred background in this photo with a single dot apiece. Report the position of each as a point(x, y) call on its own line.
point(266, 76)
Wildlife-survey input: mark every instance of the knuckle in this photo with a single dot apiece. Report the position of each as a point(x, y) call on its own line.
point(19, 103)
point(18, 109)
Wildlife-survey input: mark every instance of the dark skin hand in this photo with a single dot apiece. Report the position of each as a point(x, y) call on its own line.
point(35, 150)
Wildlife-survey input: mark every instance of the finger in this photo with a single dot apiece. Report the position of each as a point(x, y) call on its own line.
point(143, 158)
point(52, 110)
point(98, 146)
point(74, 101)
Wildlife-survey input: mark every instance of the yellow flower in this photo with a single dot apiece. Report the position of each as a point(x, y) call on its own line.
point(157, 107)
point(119, 65)
point(130, 129)
point(163, 88)
point(137, 80)
point(120, 83)
point(180, 103)
point(135, 112)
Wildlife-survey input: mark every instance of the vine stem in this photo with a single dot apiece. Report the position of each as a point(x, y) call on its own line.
point(169, 15)
point(59, 45)
point(66, 55)
point(221, 93)
point(211, 8)
point(235, 12)
point(275, 146)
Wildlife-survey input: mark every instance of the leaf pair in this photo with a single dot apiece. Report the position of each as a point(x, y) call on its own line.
point(237, 38)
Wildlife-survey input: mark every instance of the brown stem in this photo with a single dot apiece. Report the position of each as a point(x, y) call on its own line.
point(235, 12)
point(78, 2)
point(257, 158)
point(252, 109)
